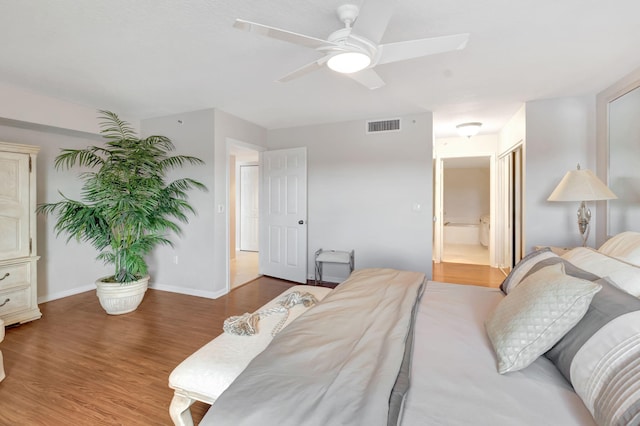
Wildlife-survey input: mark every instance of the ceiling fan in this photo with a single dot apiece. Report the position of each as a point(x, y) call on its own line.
point(355, 50)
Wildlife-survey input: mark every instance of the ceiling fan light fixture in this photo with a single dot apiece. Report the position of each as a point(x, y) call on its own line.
point(349, 62)
point(468, 129)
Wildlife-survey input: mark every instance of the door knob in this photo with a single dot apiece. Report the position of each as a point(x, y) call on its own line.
point(301, 222)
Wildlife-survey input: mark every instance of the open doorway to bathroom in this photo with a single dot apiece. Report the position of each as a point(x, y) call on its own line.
point(466, 207)
point(243, 215)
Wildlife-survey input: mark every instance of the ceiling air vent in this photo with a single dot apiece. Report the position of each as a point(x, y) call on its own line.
point(383, 126)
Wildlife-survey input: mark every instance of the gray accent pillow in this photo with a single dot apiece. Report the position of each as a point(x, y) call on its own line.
point(537, 260)
point(569, 269)
point(517, 273)
point(608, 304)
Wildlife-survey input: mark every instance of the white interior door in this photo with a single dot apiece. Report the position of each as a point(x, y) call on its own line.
point(283, 214)
point(249, 208)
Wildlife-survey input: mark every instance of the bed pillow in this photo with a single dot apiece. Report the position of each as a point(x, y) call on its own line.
point(536, 314)
point(600, 357)
point(536, 260)
point(522, 268)
point(624, 246)
point(622, 274)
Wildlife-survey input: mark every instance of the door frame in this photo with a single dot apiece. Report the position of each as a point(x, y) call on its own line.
point(438, 205)
point(230, 142)
point(511, 199)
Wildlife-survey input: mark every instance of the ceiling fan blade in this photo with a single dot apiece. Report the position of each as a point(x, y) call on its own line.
point(373, 19)
point(313, 66)
point(368, 78)
point(394, 52)
point(280, 34)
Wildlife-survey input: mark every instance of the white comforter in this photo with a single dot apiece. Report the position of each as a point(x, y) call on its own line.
point(335, 365)
point(454, 380)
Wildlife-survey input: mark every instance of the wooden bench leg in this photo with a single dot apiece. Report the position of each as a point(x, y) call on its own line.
point(179, 410)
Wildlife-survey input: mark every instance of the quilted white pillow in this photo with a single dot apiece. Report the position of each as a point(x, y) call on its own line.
point(536, 314)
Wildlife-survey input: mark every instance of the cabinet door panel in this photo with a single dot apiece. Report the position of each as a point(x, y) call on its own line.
point(14, 205)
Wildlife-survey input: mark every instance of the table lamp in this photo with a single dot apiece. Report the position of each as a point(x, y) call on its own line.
point(581, 185)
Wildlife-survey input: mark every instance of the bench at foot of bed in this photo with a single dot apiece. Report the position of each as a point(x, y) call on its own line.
point(205, 374)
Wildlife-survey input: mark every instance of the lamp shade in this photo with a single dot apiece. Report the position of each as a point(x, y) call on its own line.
point(581, 185)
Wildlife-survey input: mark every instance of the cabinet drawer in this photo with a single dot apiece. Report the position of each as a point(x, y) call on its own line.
point(13, 301)
point(16, 275)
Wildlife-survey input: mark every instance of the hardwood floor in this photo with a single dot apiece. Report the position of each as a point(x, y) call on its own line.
point(461, 273)
point(79, 366)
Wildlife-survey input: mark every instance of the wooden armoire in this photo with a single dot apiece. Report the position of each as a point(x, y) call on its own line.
point(18, 258)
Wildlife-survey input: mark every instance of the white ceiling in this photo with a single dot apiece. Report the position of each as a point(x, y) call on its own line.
point(148, 58)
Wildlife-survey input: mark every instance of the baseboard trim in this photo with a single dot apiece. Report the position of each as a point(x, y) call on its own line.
point(161, 287)
point(189, 291)
point(66, 293)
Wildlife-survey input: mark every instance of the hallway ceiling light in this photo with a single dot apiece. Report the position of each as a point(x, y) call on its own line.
point(469, 129)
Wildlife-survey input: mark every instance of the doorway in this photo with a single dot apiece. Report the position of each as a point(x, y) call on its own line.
point(243, 214)
point(464, 209)
point(511, 190)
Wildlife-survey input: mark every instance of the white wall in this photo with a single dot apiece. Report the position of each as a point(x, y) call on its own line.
point(202, 249)
point(66, 269)
point(63, 269)
point(362, 190)
point(194, 249)
point(514, 132)
point(559, 134)
point(467, 193)
point(476, 146)
point(510, 139)
point(228, 129)
point(31, 107)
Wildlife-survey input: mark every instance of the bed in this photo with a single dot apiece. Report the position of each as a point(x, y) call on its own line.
point(435, 354)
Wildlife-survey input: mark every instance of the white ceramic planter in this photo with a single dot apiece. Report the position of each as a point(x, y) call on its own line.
point(118, 298)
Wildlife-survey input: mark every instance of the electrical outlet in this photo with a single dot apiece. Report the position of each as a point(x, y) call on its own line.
point(175, 259)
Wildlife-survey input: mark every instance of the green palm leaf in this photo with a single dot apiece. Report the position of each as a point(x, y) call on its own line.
point(126, 208)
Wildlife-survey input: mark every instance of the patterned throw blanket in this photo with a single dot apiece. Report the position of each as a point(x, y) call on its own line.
point(336, 364)
point(247, 324)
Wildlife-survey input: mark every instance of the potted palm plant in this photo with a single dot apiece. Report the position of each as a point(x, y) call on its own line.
point(127, 208)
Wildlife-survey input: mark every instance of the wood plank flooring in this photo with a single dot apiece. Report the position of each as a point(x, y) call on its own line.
point(79, 366)
point(461, 273)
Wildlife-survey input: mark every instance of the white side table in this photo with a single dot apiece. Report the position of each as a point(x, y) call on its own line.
point(332, 256)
